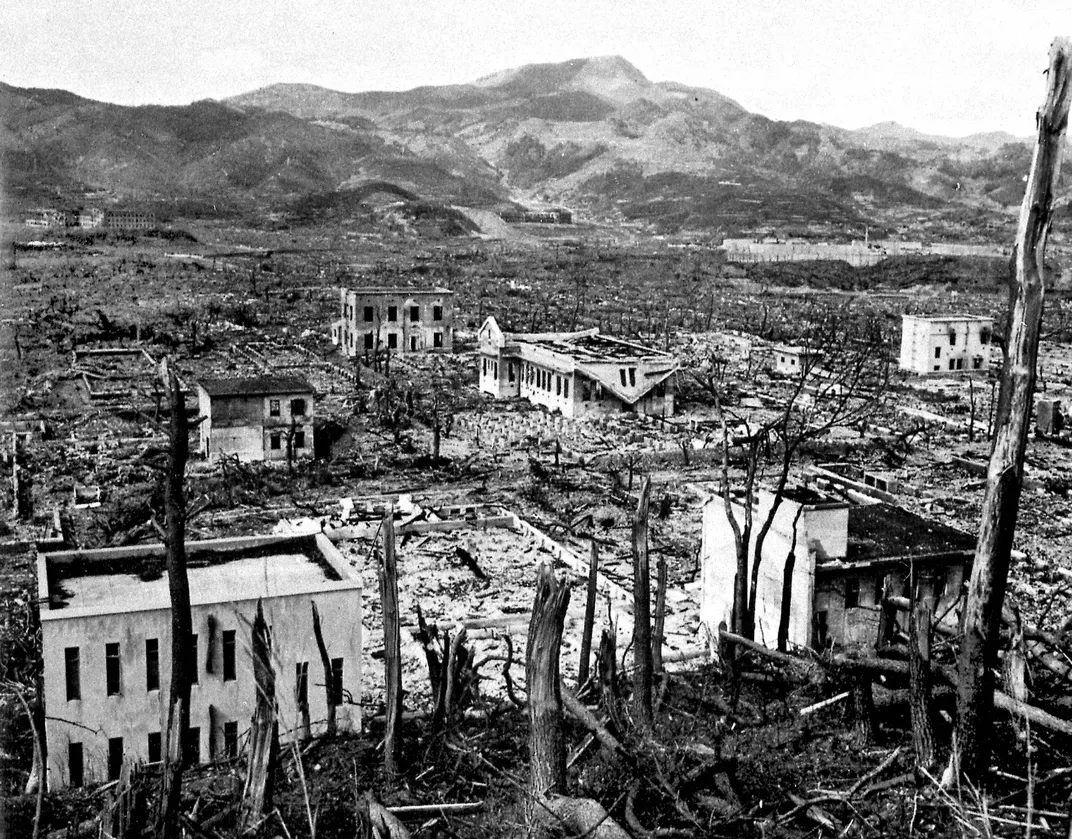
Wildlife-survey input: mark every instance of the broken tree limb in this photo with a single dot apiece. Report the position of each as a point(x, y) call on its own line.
point(547, 751)
point(376, 822)
point(990, 566)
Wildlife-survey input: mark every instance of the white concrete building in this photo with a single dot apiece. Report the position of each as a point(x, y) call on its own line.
point(399, 320)
point(258, 418)
point(106, 643)
point(842, 553)
point(792, 360)
point(945, 344)
point(576, 373)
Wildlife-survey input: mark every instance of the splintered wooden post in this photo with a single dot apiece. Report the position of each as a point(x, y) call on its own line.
point(329, 679)
point(660, 614)
point(1001, 503)
point(264, 730)
point(547, 750)
point(392, 649)
point(642, 673)
point(589, 616)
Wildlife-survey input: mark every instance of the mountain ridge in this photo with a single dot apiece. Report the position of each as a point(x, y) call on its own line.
point(592, 133)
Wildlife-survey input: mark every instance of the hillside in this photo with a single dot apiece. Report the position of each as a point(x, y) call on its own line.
point(594, 134)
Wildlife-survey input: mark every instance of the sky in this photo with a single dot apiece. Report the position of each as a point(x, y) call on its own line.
point(948, 67)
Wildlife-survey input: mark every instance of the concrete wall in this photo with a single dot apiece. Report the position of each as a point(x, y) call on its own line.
point(944, 346)
point(137, 712)
point(391, 327)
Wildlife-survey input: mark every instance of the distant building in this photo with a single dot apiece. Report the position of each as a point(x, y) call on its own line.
point(555, 216)
point(576, 373)
point(945, 343)
point(106, 646)
point(129, 220)
point(90, 217)
point(259, 418)
point(399, 320)
point(47, 217)
point(791, 360)
point(843, 554)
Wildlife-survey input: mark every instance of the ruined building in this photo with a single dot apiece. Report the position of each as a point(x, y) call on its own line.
point(576, 373)
point(259, 418)
point(837, 557)
point(945, 343)
point(400, 320)
point(106, 645)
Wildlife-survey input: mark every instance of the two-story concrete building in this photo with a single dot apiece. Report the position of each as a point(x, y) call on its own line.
point(256, 418)
point(399, 320)
point(943, 344)
point(841, 554)
point(106, 645)
point(576, 373)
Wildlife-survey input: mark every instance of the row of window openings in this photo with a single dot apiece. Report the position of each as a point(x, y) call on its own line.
point(297, 407)
point(392, 340)
point(369, 314)
point(192, 749)
point(113, 665)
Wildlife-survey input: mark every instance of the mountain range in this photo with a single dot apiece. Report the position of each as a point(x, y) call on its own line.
point(593, 134)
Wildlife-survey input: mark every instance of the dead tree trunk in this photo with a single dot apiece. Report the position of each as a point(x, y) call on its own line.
point(863, 710)
point(547, 752)
point(642, 672)
point(919, 680)
point(990, 570)
point(659, 630)
point(589, 617)
point(264, 730)
point(329, 678)
point(392, 650)
point(608, 676)
point(178, 726)
point(787, 588)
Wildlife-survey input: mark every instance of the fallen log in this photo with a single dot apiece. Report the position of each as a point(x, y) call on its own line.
point(893, 667)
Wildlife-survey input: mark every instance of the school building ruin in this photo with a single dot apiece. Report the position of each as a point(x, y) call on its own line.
point(576, 373)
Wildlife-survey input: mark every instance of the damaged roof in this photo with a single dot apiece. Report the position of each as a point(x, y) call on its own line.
point(879, 532)
point(255, 385)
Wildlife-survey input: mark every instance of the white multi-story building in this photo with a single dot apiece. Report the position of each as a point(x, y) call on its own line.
point(106, 644)
point(576, 373)
point(945, 343)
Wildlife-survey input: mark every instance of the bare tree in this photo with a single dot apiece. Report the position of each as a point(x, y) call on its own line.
point(990, 570)
point(843, 369)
